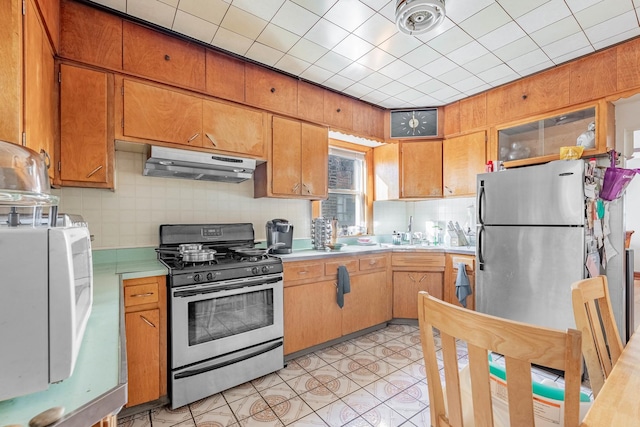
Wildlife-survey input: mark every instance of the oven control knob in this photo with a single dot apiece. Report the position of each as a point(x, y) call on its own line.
point(209, 277)
point(265, 269)
point(197, 277)
point(255, 270)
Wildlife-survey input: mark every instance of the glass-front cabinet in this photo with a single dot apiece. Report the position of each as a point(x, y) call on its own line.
point(539, 139)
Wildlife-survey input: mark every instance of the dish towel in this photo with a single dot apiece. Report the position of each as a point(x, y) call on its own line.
point(463, 288)
point(344, 284)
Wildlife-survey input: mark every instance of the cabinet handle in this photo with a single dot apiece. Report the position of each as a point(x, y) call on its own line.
point(197, 134)
point(303, 272)
point(47, 159)
point(145, 320)
point(212, 139)
point(422, 278)
point(167, 58)
point(94, 171)
point(448, 190)
point(372, 262)
point(306, 187)
point(146, 294)
point(411, 277)
point(295, 188)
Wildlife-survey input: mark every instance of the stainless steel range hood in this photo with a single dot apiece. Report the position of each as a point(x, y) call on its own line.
point(174, 163)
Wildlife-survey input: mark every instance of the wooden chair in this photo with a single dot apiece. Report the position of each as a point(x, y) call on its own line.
point(521, 345)
point(601, 343)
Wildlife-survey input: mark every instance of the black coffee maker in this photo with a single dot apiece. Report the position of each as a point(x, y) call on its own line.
point(279, 236)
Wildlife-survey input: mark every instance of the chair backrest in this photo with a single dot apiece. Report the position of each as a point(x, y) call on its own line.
point(601, 343)
point(522, 345)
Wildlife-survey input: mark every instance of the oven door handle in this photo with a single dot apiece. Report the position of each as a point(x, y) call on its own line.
point(193, 292)
point(193, 372)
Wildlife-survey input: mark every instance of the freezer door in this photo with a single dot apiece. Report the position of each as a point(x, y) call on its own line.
point(525, 273)
point(549, 194)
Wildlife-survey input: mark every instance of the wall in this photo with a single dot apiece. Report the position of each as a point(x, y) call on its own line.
point(130, 216)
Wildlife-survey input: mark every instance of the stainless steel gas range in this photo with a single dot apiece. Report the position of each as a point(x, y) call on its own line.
point(225, 308)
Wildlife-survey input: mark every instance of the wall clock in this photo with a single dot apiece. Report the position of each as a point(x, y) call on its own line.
point(414, 123)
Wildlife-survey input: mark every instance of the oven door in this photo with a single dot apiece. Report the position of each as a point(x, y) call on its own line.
point(217, 318)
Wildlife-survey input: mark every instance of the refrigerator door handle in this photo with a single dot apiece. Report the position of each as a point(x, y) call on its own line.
point(479, 248)
point(479, 202)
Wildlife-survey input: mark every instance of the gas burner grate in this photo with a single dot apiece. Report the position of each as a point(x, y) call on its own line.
point(180, 264)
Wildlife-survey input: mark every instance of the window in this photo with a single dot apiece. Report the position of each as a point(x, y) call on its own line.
point(347, 184)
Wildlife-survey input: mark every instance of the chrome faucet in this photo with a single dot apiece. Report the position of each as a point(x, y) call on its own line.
point(410, 230)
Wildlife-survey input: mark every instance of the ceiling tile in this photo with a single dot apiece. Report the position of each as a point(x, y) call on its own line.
point(349, 14)
point(334, 62)
point(566, 45)
point(319, 7)
point(393, 87)
point(515, 49)
point(399, 44)
point(316, 74)
point(375, 97)
point(292, 65)
point(502, 36)
point(410, 95)
point(578, 5)
point(528, 60)
point(172, 3)
point(485, 62)
point(430, 86)
point(358, 90)
point(458, 11)
point(353, 47)
point(478, 89)
point(445, 93)
point(496, 73)
point(446, 25)
point(355, 71)
point(294, 18)
point(375, 59)
point(307, 51)
point(375, 80)
point(277, 38)
point(609, 28)
point(326, 34)
point(427, 101)
point(232, 42)
point(455, 75)
point(119, 5)
point(468, 84)
point(572, 55)
point(416, 78)
point(212, 11)
point(485, 21)
point(379, 4)
point(548, 13)
point(338, 82)
point(193, 26)
point(376, 29)
point(243, 23)
point(602, 11)
point(450, 40)
point(439, 67)
point(467, 53)
point(617, 38)
point(265, 9)
point(264, 54)
point(505, 79)
point(517, 8)
point(539, 67)
point(396, 69)
point(558, 30)
point(152, 11)
point(421, 56)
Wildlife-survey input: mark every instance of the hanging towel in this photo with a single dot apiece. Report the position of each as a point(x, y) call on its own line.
point(463, 288)
point(344, 284)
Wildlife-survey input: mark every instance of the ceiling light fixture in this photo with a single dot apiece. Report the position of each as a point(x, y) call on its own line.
point(415, 17)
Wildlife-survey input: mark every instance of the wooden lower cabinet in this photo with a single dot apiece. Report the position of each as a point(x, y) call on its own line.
point(146, 330)
point(368, 302)
point(452, 264)
point(414, 272)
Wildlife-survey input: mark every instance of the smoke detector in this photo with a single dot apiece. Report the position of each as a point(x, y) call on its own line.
point(415, 17)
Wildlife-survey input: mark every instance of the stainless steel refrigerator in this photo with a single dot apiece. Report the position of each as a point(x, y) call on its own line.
point(532, 244)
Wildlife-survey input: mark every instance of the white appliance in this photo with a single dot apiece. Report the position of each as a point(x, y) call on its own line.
point(47, 294)
point(532, 244)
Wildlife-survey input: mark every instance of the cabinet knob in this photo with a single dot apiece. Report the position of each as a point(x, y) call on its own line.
point(338, 110)
point(524, 96)
point(167, 58)
point(273, 89)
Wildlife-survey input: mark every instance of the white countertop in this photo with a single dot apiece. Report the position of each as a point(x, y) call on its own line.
point(310, 254)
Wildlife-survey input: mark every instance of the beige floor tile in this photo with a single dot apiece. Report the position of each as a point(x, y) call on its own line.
point(396, 345)
point(292, 370)
point(304, 383)
point(207, 404)
point(382, 389)
point(311, 420)
point(384, 416)
point(348, 348)
point(422, 418)
point(337, 414)
point(363, 342)
point(364, 358)
point(239, 392)
point(419, 391)
point(416, 370)
point(362, 376)
point(405, 404)
point(266, 418)
point(248, 406)
point(378, 337)
point(358, 422)
point(188, 423)
point(361, 401)
point(346, 365)
point(400, 380)
point(379, 351)
point(398, 360)
point(326, 373)
point(138, 420)
point(277, 394)
point(410, 339)
point(292, 410)
point(310, 362)
point(318, 397)
point(267, 381)
point(342, 386)
point(219, 417)
point(167, 417)
point(330, 355)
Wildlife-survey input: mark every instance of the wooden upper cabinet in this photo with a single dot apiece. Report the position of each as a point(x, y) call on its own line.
point(314, 161)
point(463, 157)
point(270, 90)
point(338, 110)
point(233, 128)
point(50, 11)
point(11, 71)
point(159, 114)
point(310, 102)
point(452, 118)
point(364, 119)
point(421, 166)
point(162, 57)
point(593, 77)
point(627, 65)
point(473, 112)
point(378, 117)
point(224, 76)
point(286, 154)
point(89, 35)
point(86, 127)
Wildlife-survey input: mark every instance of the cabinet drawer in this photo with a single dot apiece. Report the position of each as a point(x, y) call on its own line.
point(470, 263)
point(373, 262)
point(331, 267)
point(305, 270)
point(140, 294)
point(426, 261)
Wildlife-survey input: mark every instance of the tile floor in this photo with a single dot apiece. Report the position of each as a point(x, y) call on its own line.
point(374, 380)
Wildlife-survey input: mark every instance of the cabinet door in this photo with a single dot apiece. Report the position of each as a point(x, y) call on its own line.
point(224, 76)
point(407, 284)
point(270, 90)
point(234, 129)
point(143, 358)
point(421, 169)
point(160, 114)
point(452, 118)
point(314, 161)
point(310, 98)
point(368, 302)
point(286, 154)
point(86, 127)
point(473, 112)
point(463, 158)
point(311, 315)
point(39, 88)
point(11, 71)
point(338, 110)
